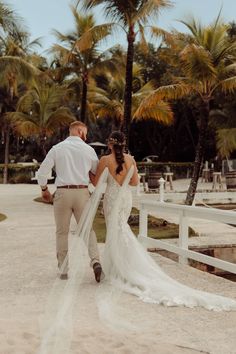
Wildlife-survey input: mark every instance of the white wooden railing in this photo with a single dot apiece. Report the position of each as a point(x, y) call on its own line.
point(184, 212)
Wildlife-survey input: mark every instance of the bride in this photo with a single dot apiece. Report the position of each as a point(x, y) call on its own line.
point(127, 265)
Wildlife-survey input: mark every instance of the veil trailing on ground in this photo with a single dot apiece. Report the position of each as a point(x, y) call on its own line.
point(129, 267)
point(57, 322)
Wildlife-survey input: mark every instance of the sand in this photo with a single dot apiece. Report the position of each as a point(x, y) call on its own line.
point(28, 270)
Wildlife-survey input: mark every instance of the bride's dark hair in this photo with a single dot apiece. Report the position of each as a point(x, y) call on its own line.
point(117, 140)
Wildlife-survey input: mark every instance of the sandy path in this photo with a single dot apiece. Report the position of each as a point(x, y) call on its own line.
point(28, 269)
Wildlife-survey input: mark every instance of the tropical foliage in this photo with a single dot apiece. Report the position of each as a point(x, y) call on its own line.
point(132, 16)
point(78, 52)
point(207, 66)
point(41, 111)
point(172, 97)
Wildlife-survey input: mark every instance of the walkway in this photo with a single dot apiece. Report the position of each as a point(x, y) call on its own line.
point(28, 269)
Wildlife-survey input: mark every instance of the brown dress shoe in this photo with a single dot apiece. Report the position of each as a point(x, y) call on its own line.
point(97, 271)
point(64, 276)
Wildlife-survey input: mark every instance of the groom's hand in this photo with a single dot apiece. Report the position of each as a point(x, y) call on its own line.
point(47, 196)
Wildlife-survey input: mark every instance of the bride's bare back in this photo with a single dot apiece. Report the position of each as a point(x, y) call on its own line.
point(110, 162)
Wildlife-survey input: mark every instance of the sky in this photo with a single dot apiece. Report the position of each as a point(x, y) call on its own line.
point(41, 16)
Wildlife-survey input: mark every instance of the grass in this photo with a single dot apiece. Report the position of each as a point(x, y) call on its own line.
point(157, 228)
point(2, 217)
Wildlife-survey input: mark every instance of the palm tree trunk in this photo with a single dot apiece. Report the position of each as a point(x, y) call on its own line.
point(116, 124)
point(200, 150)
point(6, 155)
point(84, 97)
point(42, 140)
point(128, 83)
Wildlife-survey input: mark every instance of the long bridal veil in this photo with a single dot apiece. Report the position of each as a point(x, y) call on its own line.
point(127, 265)
point(57, 321)
point(130, 268)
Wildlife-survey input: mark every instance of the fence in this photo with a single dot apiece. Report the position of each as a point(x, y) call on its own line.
point(184, 212)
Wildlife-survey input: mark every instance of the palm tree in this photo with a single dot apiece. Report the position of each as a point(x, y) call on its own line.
point(9, 20)
point(15, 69)
point(40, 112)
point(107, 102)
point(132, 16)
point(80, 53)
point(207, 66)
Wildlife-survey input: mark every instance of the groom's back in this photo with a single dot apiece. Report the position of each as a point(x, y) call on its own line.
point(73, 161)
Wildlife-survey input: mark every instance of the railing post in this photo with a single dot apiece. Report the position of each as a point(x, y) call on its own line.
point(161, 189)
point(143, 221)
point(183, 236)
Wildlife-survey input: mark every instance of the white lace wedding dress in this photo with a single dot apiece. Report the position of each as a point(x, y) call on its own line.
point(128, 266)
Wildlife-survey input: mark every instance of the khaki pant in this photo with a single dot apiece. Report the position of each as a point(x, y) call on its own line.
point(67, 202)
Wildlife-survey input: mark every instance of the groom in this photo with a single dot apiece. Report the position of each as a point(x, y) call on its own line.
point(73, 161)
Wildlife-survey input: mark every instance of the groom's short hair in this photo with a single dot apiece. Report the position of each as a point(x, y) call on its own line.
point(77, 124)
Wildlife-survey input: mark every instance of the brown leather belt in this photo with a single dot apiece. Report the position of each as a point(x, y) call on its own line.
point(73, 186)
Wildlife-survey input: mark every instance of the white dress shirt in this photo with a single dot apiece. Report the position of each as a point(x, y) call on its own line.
point(72, 160)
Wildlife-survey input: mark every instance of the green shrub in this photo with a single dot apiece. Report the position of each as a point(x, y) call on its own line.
point(18, 173)
point(21, 177)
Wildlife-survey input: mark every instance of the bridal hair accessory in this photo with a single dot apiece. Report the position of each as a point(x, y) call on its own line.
point(115, 141)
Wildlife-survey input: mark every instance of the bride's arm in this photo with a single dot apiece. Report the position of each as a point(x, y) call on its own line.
point(134, 181)
point(101, 166)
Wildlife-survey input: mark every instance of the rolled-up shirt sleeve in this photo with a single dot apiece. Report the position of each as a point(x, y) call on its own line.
point(94, 162)
point(45, 168)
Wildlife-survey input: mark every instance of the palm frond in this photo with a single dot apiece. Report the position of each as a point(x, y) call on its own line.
point(197, 63)
point(9, 19)
point(143, 45)
point(226, 141)
point(150, 8)
point(228, 85)
point(19, 66)
point(93, 35)
point(171, 92)
point(23, 124)
point(64, 38)
point(166, 36)
point(60, 118)
point(160, 111)
point(195, 28)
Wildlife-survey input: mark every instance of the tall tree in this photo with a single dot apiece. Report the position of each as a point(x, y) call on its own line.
point(41, 111)
point(80, 51)
point(14, 69)
point(207, 66)
point(9, 20)
point(132, 16)
point(107, 101)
